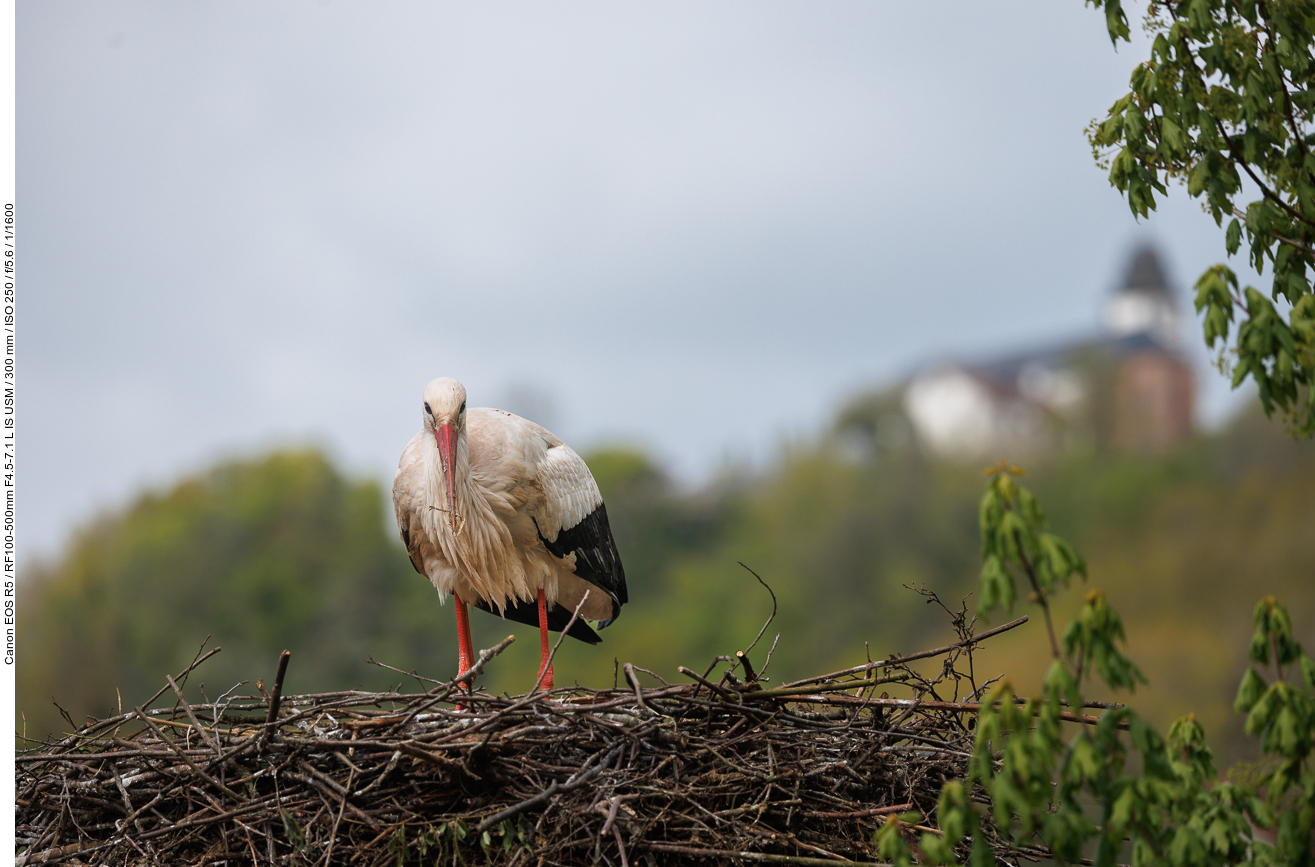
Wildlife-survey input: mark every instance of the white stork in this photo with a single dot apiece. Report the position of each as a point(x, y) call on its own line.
point(499, 512)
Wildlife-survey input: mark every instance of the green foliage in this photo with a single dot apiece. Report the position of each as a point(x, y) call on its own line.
point(441, 843)
point(293, 832)
point(397, 845)
point(1224, 105)
point(1091, 640)
point(652, 525)
point(507, 835)
point(445, 843)
point(1119, 789)
point(890, 839)
point(958, 821)
point(1014, 541)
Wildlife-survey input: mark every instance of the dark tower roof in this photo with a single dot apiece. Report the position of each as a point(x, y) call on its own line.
point(1145, 273)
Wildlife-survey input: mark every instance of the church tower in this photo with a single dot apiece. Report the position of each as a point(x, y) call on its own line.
point(1154, 394)
point(1145, 303)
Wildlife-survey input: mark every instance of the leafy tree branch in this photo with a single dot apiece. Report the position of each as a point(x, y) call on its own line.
point(1229, 91)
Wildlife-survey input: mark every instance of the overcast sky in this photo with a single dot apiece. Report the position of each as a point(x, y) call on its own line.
point(694, 227)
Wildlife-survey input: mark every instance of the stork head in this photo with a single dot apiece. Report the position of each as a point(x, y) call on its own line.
point(445, 419)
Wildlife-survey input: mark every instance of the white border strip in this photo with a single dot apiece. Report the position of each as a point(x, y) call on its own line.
point(8, 226)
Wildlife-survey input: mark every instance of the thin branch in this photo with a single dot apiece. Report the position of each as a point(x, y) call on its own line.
point(186, 759)
point(1040, 596)
point(937, 651)
point(874, 811)
point(575, 782)
point(769, 619)
point(731, 697)
point(192, 716)
point(333, 834)
point(468, 676)
point(759, 857)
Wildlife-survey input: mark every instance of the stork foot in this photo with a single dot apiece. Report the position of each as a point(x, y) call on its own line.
point(545, 679)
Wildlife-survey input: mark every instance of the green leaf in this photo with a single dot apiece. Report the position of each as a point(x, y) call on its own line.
point(995, 587)
point(891, 845)
point(936, 850)
point(1030, 508)
point(1116, 22)
point(1082, 764)
point(1249, 691)
point(1273, 632)
point(1263, 711)
point(1308, 672)
point(1289, 733)
point(1172, 139)
point(955, 813)
point(1060, 683)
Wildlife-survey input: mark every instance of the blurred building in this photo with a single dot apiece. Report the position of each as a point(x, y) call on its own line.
point(1129, 388)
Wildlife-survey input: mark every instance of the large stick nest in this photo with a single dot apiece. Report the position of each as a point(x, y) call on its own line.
point(724, 768)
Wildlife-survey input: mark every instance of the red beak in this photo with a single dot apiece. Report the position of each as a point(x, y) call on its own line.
point(446, 438)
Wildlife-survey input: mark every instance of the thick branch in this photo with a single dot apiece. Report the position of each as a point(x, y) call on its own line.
point(275, 697)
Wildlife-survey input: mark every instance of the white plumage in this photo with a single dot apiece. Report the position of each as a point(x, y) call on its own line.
point(497, 510)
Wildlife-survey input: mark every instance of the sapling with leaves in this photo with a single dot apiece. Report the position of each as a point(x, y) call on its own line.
point(1118, 790)
point(1282, 715)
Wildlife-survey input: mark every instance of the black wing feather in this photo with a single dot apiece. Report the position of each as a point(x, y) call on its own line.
point(413, 554)
point(558, 617)
point(596, 558)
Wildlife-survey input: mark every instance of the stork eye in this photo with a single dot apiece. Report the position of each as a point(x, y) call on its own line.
point(428, 410)
point(463, 408)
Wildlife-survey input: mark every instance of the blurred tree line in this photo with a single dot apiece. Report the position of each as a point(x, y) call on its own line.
point(284, 551)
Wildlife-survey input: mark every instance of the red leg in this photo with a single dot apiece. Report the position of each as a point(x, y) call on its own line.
point(545, 667)
point(465, 653)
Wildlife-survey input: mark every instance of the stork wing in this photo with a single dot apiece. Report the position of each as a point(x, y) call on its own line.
point(573, 521)
point(558, 616)
point(409, 503)
point(569, 517)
